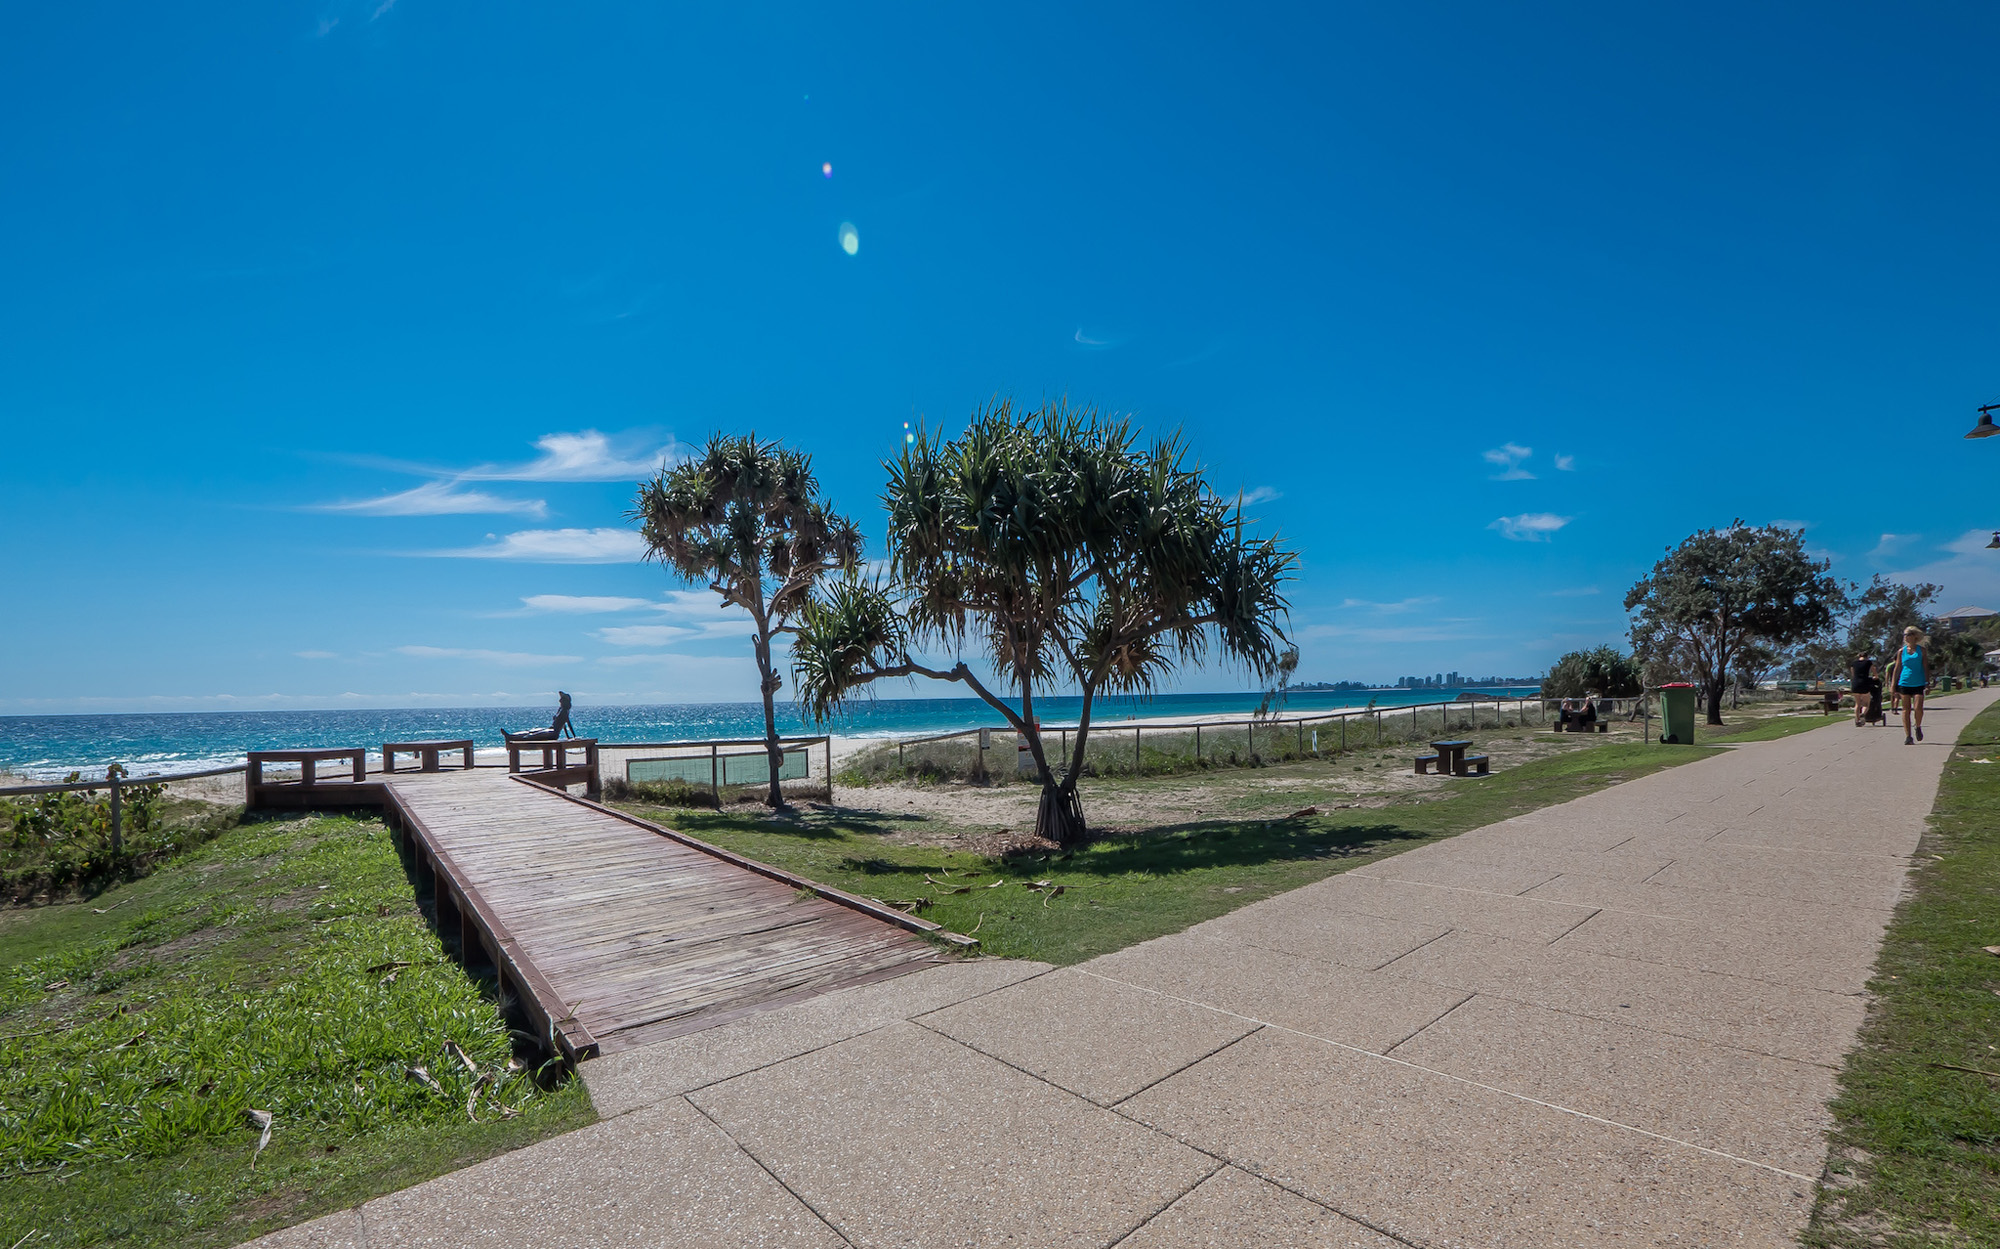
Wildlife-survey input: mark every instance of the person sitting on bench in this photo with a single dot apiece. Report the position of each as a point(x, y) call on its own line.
point(558, 727)
point(1576, 719)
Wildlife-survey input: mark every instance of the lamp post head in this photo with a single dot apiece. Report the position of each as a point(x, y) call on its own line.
point(1986, 428)
point(1995, 544)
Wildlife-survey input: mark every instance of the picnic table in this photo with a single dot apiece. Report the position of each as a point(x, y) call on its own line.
point(1451, 760)
point(427, 752)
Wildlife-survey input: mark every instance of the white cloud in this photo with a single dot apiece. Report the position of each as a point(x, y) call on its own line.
point(1529, 526)
point(1392, 609)
point(645, 635)
point(1508, 458)
point(558, 546)
point(1565, 464)
point(439, 498)
point(506, 659)
point(582, 604)
point(1890, 543)
point(584, 456)
point(705, 610)
point(1260, 494)
point(315, 655)
point(1582, 591)
point(1793, 524)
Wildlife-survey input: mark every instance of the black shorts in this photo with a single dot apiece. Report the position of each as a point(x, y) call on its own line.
point(1909, 689)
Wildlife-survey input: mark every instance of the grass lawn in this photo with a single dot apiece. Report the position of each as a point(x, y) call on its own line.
point(282, 967)
point(1124, 889)
point(1770, 730)
point(1916, 1146)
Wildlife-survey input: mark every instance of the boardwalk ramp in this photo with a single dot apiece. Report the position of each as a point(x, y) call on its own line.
point(615, 933)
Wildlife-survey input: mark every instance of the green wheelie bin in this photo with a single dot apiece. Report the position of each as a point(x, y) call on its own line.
point(1677, 714)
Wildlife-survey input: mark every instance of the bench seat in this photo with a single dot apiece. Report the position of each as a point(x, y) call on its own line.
point(1424, 764)
point(1475, 765)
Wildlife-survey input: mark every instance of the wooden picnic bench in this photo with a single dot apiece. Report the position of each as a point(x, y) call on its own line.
point(427, 752)
point(1451, 760)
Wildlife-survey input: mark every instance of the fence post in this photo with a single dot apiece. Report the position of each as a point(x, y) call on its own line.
point(714, 777)
point(1250, 736)
point(1301, 725)
point(829, 769)
point(1343, 735)
point(117, 813)
point(1197, 745)
point(1136, 764)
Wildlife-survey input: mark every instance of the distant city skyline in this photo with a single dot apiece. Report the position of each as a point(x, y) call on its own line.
point(336, 337)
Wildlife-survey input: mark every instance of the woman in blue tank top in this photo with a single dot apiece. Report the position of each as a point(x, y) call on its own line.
point(1913, 675)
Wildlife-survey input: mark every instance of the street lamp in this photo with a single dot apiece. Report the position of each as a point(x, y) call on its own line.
point(1986, 428)
point(1995, 544)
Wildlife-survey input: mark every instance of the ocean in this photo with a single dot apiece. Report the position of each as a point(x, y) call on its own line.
point(49, 747)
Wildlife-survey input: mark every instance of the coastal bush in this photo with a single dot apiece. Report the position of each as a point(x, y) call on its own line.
point(668, 793)
point(62, 842)
point(1606, 670)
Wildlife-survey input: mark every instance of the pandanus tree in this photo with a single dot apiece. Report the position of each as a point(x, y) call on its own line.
point(1068, 558)
point(746, 518)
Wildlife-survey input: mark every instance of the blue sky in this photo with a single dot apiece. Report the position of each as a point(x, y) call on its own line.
point(333, 337)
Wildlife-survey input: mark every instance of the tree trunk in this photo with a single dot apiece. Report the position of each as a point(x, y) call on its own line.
point(1060, 816)
point(1714, 693)
point(773, 754)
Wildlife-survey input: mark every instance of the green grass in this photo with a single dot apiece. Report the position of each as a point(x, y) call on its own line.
point(1916, 1146)
point(1768, 730)
point(144, 1024)
point(1125, 889)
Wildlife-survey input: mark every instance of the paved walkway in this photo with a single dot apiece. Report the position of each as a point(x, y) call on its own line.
point(1612, 1021)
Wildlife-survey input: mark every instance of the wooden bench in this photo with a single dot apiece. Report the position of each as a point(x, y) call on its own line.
point(426, 752)
point(556, 769)
point(1472, 765)
point(308, 761)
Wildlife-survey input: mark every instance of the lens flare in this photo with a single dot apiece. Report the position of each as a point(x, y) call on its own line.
point(850, 238)
point(826, 170)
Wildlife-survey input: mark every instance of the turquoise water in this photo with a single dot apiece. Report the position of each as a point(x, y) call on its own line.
point(49, 746)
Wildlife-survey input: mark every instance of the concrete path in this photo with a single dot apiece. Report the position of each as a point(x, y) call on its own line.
point(1615, 1021)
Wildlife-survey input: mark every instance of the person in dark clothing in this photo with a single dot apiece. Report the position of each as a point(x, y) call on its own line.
point(1865, 691)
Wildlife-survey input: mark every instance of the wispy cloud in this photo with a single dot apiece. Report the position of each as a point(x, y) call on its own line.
point(1260, 494)
point(1565, 464)
point(315, 655)
point(557, 546)
point(382, 8)
point(438, 498)
point(581, 604)
point(1430, 631)
point(1793, 524)
point(646, 635)
point(1096, 341)
point(1529, 526)
point(1391, 609)
point(584, 456)
point(1581, 591)
point(1508, 457)
point(505, 659)
point(1890, 543)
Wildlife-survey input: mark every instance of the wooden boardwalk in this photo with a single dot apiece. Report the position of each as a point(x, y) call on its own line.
point(615, 933)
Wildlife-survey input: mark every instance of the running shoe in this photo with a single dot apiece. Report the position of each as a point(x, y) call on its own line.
point(1908, 740)
point(1920, 732)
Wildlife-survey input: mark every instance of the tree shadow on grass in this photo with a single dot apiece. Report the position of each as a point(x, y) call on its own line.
point(1224, 844)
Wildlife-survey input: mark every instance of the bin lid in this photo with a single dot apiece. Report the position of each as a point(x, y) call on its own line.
point(1678, 685)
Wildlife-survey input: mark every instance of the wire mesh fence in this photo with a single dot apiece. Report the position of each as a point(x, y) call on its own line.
point(1142, 748)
